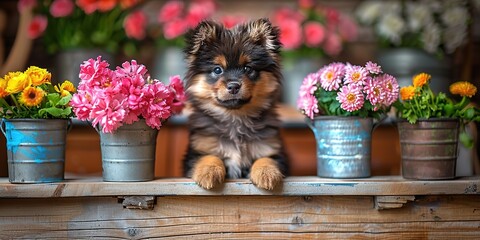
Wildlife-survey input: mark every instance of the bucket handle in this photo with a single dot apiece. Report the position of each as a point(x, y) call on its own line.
point(69, 125)
point(2, 126)
point(310, 124)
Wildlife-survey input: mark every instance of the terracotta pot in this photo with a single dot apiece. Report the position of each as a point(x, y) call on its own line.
point(429, 148)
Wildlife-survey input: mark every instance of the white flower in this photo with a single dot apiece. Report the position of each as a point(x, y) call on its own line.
point(369, 11)
point(454, 37)
point(394, 7)
point(418, 16)
point(455, 17)
point(392, 26)
point(431, 37)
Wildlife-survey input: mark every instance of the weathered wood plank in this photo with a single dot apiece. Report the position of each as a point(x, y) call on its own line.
point(293, 186)
point(241, 217)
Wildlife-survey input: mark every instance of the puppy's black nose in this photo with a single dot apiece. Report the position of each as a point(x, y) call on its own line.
point(233, 87)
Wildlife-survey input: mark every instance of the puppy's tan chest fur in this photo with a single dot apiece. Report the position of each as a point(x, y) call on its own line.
point(235, 153)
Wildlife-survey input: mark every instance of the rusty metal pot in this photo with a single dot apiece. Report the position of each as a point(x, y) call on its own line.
point(429, 148)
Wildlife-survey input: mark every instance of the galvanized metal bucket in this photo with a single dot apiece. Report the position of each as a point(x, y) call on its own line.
point(128, 154)
point(343, 146)
point(429, 148)
point(35, 149)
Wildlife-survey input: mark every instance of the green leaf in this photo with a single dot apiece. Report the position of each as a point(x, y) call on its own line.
point(466, 140)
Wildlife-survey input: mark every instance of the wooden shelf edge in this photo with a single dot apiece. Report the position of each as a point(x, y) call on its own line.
point(292, 186)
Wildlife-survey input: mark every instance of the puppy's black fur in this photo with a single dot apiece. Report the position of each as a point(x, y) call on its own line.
point(233, 84)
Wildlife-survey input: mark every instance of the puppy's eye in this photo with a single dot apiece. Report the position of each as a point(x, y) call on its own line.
point(218, 70)
point(247, 69)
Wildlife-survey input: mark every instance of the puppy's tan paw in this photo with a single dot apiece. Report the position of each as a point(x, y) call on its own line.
point(265, 173)
point(208, 172)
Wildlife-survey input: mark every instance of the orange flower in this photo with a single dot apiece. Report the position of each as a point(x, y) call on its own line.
point(421, 79)
point(31, 96)
point(38, 76)
point(3, 88)
point(464, 89)
point(407, 93)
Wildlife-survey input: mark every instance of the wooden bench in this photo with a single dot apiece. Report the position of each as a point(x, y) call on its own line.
point(387, 207)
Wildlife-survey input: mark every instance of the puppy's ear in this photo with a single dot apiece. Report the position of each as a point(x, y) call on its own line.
point(261, 31)
point(205, 32)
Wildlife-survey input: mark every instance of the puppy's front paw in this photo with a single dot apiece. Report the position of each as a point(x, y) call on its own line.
point(265, 173)
point(208, 172)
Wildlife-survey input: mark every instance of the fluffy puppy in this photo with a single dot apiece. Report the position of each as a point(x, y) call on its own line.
point(233, 83)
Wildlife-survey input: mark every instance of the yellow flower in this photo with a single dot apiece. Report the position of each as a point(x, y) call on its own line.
point(3, 88)
point(16, 82)
point(65, 89)
point(31, 96)
point(38, 76)
point(421, 79)
point(407, 93)
point(464, 89)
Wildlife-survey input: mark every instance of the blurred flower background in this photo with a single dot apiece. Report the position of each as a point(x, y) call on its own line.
point(318, 32)
point(438, 27)
point(311, 29)
point(68, 24)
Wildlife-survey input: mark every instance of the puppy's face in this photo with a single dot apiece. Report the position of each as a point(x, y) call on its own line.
point(233, 70)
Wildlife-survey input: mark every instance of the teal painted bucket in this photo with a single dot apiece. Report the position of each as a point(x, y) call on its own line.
point(343, 146)
point(35, 149)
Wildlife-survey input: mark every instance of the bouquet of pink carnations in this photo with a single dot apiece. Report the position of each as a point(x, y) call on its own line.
point(110, 98)
point(342, 89)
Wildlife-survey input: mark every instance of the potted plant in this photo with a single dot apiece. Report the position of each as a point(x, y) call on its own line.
point(81, 29)
point(127, 108)
point(311, 34)
point(429, 127)
point(417, 35)
point(35, 116)
point(173, 19)
point(340, 102)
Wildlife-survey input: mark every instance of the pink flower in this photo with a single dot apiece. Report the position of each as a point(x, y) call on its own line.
point(110, 99)
point(373, 68)
point(131, 69)
point(62, 8)
point(391, 88)
point(283, 14)
point(135, 25)
point(88, 6)
point(347, 28)
point(333, 44)
point(375, 92)
point(333, 16)
point(81, 106)
point(230, 21)
point(106, 5)
point(314, 33)
point(26, 4)
point(309, 84)
point(158, 99)
point(290, 34)
point(350, 97)
point(37, 26)
point(108, 113)
point(171, 10)
point(355, 75)
point(331, 76)
point(199, 10)
point(174, 28)
point(309, 105)
point(306, 4)
point(93, 72)
point(180, 98)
